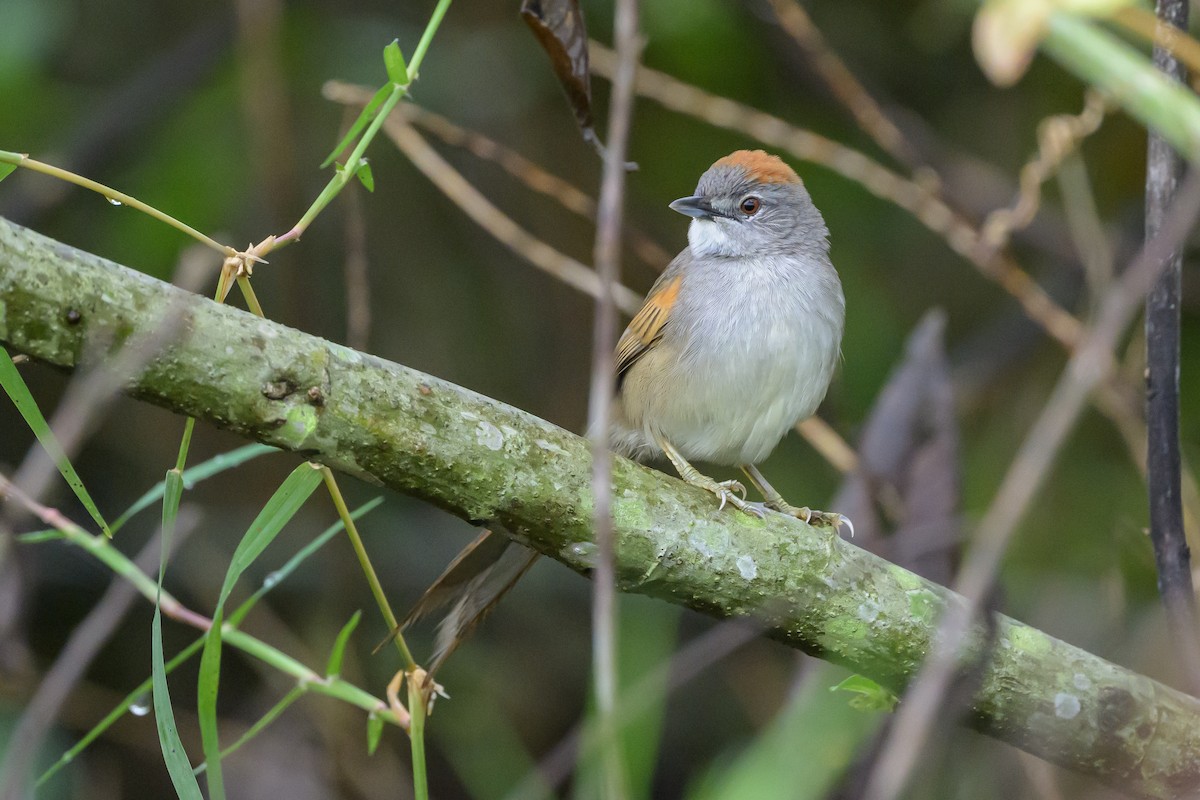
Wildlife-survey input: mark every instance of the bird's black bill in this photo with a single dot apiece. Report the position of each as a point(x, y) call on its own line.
point(697, 207)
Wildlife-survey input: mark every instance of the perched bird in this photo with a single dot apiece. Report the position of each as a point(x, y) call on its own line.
point(738, 339)
point(736, 342)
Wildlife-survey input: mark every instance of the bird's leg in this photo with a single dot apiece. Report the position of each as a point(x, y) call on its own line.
point(727, 491)
point(772, 499)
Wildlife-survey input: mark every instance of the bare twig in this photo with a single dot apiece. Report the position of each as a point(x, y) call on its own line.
point(1087, 369)
point(604, 338)
point(829, 443)
point(72, 662)
point(686, 663)
point(358, 286)
point(171, 607)
point(929, 209)
point(1163, 169)
point(533, 176)
point(1059, 136)
point(91, 393)
point(480, 209)
point(262, 88)
point(1090, 239)
point(911, 196)
point(844, 86)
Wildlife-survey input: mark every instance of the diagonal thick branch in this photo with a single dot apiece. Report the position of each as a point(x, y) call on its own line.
point(486, 461)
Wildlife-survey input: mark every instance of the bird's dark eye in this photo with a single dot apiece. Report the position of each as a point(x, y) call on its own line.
point(751, 205)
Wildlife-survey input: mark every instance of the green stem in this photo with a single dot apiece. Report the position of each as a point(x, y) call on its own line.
point(119, 563)
point(313, 681)
point(376, 587)
point(112, 194)
point(343, 175)
point(251, 298)
point(266, 719)
point(414, 64)
point(416, 736)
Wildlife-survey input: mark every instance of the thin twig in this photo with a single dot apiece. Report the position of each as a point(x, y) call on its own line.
point(355, 266)
point(829, 443)
point(910, 196)
point(1091, 240)
point(92, 392)
point(688, 662)
point(1163, 170)
point(530, 174)
point(1087, 369)
point(480, 209)
point(844, 86)
point(929, 209)
point(72, 662)
point(355, 270)
point(604, 339)
point(1059, 136)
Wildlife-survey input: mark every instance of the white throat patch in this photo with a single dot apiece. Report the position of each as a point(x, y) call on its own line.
point(708, 238)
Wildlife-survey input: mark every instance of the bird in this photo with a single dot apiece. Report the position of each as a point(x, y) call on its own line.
point(735, 343)
point(738, 339)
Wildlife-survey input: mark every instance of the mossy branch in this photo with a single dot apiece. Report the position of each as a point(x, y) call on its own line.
point(488, 462)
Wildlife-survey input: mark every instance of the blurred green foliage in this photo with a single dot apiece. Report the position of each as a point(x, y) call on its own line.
point(167, 102)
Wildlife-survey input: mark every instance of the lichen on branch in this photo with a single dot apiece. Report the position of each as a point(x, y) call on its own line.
point(490, 463)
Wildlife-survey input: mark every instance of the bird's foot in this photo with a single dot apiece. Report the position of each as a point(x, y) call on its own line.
point(818, 519)
point(727, 492)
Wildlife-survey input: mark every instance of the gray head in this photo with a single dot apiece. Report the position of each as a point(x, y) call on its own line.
point(751, 203)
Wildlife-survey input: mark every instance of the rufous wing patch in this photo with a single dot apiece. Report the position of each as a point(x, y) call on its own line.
point(647, 324)
point(760, 166)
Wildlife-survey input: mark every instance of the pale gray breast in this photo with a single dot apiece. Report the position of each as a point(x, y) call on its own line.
point(759, 340)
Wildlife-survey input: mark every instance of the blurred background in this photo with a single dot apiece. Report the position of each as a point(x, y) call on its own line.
point(214, 113)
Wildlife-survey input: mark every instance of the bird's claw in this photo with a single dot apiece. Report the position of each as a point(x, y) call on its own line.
point(810, 516)
point(727, 492)
point(829, 519)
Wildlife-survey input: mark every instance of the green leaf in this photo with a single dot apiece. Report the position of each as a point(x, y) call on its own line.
point(178, 766)
point(203, 471)
point(259, 726)
point(274, 579)
point(393, 59)
point(869, 695)
point(9, 162)
point(281, 574)
point(278, 511)
point(374, 732)
point(334, 667)
point(363, 173)
point(364, 119)
point(18, 392)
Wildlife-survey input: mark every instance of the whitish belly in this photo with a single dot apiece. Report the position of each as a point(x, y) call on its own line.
point(735, 410)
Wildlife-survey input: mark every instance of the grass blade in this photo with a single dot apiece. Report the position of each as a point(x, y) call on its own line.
point(180, 769)
point(334, 667)
point(18, 392)
point(364, 119)
point(201, 472)
point(260, 726)
point(272, 580)
point(279, 509)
